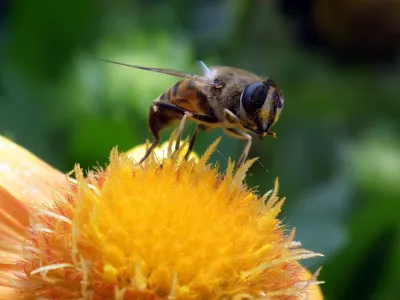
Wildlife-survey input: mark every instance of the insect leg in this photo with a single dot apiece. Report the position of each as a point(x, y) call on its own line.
point(180, 129)
point(172, 108)
point(192, 141)
point(231, 116)
point(155, 131)
point(180, 110)
point(243, 136)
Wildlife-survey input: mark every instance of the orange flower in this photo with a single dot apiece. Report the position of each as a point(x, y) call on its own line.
point(167, 229)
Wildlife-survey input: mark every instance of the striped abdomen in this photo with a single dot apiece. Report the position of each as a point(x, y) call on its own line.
point(187, 95)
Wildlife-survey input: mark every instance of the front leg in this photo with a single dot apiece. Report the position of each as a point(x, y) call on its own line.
point(231, 117)
point(234, 119)
point(236, 133)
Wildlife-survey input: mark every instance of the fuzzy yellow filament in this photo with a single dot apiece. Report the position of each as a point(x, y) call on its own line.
point(166, 229)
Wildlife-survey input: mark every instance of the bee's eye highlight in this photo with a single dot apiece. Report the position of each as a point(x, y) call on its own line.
point(254, 96)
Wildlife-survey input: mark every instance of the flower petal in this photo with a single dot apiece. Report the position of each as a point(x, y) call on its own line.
point(316, 293)
point(24, 180)
point(7, 293)
point(13, 216)
point(25, 176)
point(13, 228)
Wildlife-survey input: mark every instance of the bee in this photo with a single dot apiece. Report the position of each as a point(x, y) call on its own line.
point(233, 99)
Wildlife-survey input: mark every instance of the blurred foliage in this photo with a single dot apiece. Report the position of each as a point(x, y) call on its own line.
point(338, 149)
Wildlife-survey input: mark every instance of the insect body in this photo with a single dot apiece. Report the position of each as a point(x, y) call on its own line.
point(235, 100)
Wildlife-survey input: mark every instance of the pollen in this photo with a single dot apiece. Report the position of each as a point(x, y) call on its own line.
point(264, 113)
point(166, 229)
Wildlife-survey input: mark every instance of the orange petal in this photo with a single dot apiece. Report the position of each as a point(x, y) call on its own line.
point(24, 180)
point(8, 293)
point(13, 217)
point(14, 221)
point(26, 176)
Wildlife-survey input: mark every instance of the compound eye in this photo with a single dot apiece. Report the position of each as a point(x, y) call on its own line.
point(253, 97)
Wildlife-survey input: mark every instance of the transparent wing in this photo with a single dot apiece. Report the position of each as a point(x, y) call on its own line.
point(207, 80)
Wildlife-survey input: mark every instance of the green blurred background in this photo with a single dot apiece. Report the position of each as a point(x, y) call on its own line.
point(337, 153)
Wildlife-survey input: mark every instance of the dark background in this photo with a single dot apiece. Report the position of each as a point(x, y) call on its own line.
point(337, 153)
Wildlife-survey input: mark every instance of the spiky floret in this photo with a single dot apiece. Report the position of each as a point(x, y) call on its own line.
point(167, 229)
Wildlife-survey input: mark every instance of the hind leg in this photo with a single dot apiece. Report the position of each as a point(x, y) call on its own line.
point(193, 141)
point(243, 136)
point(155, 127)
point(162, 115)
point(180, 129)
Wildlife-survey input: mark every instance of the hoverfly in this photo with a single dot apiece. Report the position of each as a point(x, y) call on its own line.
point(233, 99)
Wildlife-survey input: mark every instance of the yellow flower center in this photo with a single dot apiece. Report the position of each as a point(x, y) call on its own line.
point(167, 229)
